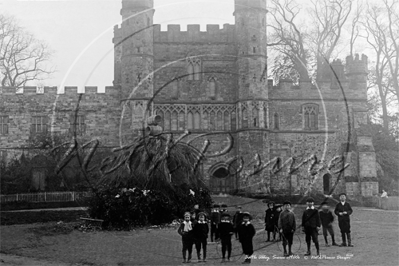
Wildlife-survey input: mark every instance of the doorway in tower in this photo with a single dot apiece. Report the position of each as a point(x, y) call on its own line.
point(326, 183)
point(221, 181)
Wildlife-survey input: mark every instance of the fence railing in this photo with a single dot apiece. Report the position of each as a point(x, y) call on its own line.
point(45, 196)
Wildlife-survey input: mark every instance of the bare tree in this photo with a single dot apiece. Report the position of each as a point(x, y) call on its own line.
point(22, 57)
point(381, 25)
point(307, 46)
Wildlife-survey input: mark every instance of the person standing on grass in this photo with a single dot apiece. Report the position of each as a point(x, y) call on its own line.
point(246, 232)
point(225, 231)
point(327, 218)
point(287, 226)
point(215, 219)
point(343, 210)
point(269, 221)
point(201, 230)
point(186, 232)
point(237, 220)
point(276, 215)
point(311, 225)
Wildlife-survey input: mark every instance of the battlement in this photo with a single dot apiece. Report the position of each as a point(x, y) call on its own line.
point(68, 90)
point(356, 65)
point(212, 34)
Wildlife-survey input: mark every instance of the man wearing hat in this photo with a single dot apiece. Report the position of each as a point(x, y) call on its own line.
point(215, 219)
point(225, 231)
point(343, 210)
point(246, 232)
point(311, 225)
point(287, 226)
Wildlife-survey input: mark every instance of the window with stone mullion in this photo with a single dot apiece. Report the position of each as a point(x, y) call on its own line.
point(3, 125)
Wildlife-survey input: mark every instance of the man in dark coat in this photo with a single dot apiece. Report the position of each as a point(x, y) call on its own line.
point(246, 232)
point(269, 220)
point(225, 231)
point(215, 219)
point(311, 225)
point(343, 210)
point(287, 226)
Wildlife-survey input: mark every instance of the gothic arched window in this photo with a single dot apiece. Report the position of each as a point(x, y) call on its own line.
point(174, 121)
point(244, 117)
point(255, 117)
point(310, 116)
point(190, 121)
point(197, 119)
point(226, 121)
point(212, 88)
point(167, 121)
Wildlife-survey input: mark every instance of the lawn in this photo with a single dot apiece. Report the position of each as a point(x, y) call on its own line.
point(375, 236)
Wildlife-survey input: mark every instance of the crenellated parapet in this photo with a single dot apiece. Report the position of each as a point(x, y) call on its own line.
point(68, 90)
point(356, 65)
point(213, 34)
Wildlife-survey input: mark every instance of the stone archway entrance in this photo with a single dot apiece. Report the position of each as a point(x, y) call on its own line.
point(326, 183)
point(221, 181)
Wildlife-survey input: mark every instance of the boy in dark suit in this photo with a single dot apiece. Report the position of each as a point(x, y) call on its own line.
point(186, 232)
point(287, 226)
point(343, 210)
point(276, 215)
point(225, 231)
point(327, 218)
point(246, 232)
point(201, 230)
point(269, 221)
point(311, 225)
point(215, 219)
point(237, 220)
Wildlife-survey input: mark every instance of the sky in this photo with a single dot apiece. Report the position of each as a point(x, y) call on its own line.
point(80, 32)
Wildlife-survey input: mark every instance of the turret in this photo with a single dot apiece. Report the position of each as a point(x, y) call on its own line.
point(134, 61)
point(357, 69)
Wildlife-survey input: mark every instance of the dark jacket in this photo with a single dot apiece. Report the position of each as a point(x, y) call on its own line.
point(201, 230)
point(186, 236)
point(287, 222)
point(269, 219)
point(276, 216)
point(215, 217)
point(225, 230)
point(326, 218)
point(343, 208)
point(237, 219)
point(311, 218)
point(246, 232)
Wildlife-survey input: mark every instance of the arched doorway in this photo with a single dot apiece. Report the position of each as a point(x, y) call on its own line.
point(326, 183)
point(220, 179)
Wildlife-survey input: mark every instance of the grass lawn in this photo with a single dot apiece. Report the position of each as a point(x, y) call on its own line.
point(375, 237)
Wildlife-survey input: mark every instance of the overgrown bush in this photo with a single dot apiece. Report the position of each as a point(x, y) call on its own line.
point(126, 208)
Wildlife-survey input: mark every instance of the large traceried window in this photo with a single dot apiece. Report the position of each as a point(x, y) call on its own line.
point(310, 116)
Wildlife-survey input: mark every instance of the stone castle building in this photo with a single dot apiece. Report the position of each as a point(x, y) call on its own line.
point(215, 81)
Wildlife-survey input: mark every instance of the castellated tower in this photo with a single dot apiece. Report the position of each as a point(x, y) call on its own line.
point(133, 43)
point(252, 91)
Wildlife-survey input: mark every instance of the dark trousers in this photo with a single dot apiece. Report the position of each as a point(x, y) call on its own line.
point(187, 247)
point(330, 230)
point(312, 234)
point(344, 226)
point(247, 247)
point(226, 245)
point(200, 243)
point(214, 232)
point(288, 238)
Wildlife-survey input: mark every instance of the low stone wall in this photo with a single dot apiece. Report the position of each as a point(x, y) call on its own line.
point(390, 203)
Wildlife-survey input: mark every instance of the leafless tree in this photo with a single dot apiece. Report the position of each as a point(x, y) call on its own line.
point(381, 25)
point(22, 57)
point(306, 39)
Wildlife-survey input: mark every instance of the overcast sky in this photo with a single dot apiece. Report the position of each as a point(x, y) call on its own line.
point(80, 31)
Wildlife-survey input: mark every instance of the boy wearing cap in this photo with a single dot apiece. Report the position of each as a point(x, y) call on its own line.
point(327, 218)
point(201, 230)
point(269, 221)
point(215, 219)
point(311, 225)
point(225, 231)
point(246, 232)
point(186, 232)
point(343, 210)
point(287, 226)
point(277, 211)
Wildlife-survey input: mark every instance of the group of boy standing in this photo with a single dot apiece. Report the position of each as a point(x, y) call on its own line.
point(312, 220)
point(194, 229)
